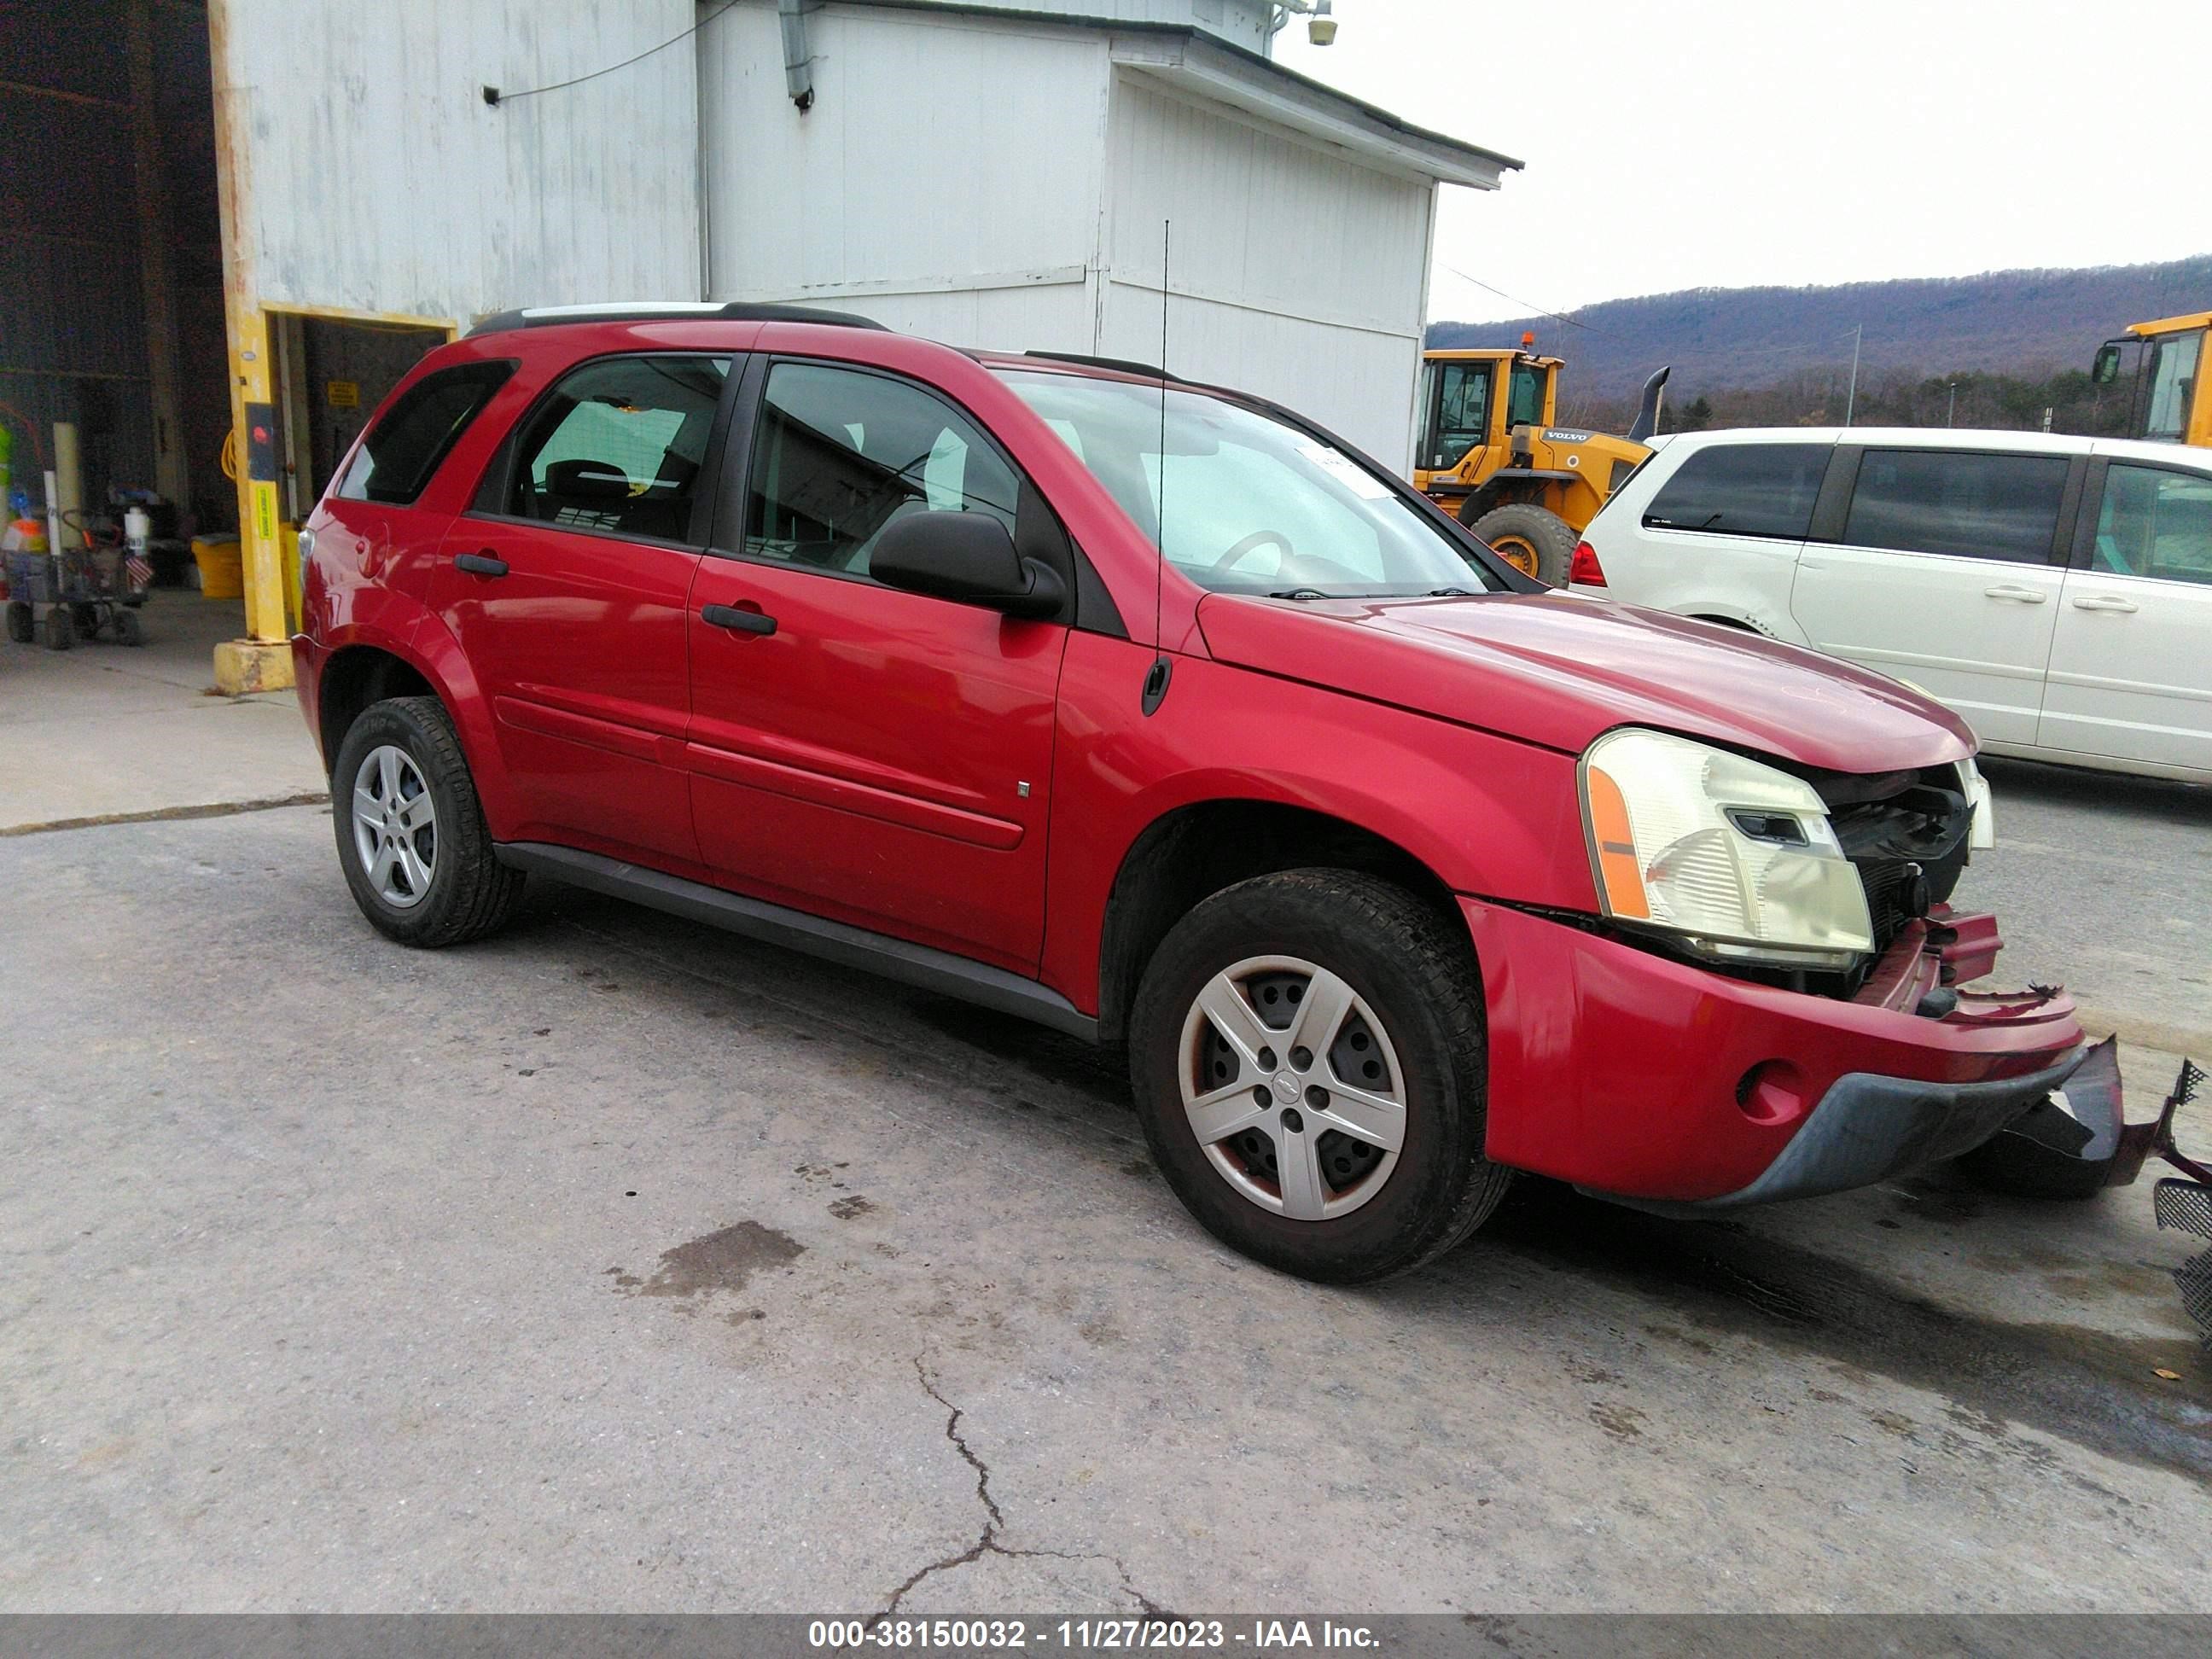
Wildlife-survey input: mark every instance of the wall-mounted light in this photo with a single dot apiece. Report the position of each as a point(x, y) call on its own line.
point(1321, 26)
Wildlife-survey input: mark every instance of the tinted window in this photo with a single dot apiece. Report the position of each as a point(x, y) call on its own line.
point(2155, 523)
point(618, 446)
point(396, 462)
point(841, 453)
point(1743, 490)
point(1462, 412)
point(1946, 501)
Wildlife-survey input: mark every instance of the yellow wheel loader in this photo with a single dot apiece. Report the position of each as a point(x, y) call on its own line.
point(1487, 451)
point(2170, 403)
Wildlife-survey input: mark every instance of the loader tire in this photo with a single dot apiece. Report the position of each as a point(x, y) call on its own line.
point(1534, 540)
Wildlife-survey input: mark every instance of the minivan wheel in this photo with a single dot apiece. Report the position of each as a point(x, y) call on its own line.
point(411, 832)
point(1534, 540)
point(1306, 1052)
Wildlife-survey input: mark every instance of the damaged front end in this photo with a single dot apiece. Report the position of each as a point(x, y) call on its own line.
point(2076, 1142)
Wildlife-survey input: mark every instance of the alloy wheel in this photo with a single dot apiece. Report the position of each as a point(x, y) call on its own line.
point(395, 826)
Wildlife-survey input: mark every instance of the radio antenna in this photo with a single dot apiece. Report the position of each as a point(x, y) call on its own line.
point(1156, 678)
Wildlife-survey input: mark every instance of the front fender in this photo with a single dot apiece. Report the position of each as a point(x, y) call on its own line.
point(1484, 814)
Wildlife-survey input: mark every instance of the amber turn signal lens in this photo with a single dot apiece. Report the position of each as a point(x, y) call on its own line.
point(1616, 850)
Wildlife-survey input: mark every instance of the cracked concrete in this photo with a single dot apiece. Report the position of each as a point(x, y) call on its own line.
point(987, 1541)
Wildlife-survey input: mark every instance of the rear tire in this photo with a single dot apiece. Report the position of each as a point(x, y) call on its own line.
point(23, 626)
point(60, 628)
point(1397, 1001)
point(426, 876)
point(1533, 539)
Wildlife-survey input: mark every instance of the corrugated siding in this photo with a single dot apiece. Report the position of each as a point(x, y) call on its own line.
point(380, 179)
point(940, 154)
point(1295, 273)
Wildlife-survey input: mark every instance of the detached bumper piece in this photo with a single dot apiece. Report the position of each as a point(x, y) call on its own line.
point(2187, 1206)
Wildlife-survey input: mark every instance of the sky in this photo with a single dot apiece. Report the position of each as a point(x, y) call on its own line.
point(1722, 144)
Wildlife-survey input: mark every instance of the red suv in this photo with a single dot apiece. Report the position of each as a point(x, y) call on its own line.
point(1154, 713)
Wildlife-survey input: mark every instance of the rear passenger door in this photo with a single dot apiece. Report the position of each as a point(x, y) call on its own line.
point(2131, 660)
point(1720, 534)
point(566, 585)
point(1946, 572)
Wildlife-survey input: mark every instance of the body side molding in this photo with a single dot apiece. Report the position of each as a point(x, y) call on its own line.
point(834, 941)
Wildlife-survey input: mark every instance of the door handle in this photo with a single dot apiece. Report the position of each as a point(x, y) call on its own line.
point(480, 564)
point(2104, 602)
point(2014, 592)
point(741, 622)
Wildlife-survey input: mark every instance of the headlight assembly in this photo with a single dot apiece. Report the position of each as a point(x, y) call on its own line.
point(1735, 859)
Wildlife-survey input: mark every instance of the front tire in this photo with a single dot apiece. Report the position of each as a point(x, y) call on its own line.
point(1306, 1052)
point(1534, 540)
point(410, 830)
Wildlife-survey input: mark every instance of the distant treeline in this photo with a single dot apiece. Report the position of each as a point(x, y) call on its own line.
point(2014, 342)
point(1818, 397)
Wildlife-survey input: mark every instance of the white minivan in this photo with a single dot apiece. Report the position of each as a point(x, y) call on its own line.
point(2057, 592)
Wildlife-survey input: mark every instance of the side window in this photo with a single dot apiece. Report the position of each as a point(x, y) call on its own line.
point(618, 446)
point(1526, 406)
point(2155, 523)
point(2174, 368)
point(1954, 501)
point(841, 452)
point(1462, 412)
point(1743, 490)
point(402, 451)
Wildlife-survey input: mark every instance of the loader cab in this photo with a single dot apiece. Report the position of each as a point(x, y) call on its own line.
point(2168, 400)
point(1469, 402)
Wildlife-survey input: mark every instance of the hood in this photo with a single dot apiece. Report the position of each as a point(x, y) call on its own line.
point(1558, 670)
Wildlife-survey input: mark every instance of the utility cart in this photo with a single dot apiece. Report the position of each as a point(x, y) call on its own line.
point(76, 594)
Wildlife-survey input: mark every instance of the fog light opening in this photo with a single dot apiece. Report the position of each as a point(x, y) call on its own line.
point(1771, 1092)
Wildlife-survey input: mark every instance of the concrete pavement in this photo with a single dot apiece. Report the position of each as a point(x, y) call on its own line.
point(105, 730)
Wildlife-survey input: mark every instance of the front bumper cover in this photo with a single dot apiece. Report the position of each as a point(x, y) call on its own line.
point(1867, 1128)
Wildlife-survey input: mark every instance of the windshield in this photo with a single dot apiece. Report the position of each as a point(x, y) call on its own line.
point(1253, 506)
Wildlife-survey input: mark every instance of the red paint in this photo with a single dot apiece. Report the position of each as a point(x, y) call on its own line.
point(864, 761)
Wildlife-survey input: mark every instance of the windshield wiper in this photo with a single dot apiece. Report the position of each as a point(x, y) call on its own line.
point(1301, 594)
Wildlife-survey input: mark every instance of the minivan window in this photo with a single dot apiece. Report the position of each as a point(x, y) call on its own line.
point(401, 452)
point(844, 452)
point(618, 444)
point(1743, 490)
point(1956, 502)
point(2155, 523)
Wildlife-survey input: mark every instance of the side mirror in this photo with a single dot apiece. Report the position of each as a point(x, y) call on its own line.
point(2107, 367)
point(968, 557)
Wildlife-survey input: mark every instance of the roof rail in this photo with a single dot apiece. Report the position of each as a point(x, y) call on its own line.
point(668, 311)
point(1152, 371)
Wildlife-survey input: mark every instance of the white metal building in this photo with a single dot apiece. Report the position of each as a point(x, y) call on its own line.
point(995, 176)
point(987, 172)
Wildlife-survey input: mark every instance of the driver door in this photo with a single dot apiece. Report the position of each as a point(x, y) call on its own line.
point(878, 756)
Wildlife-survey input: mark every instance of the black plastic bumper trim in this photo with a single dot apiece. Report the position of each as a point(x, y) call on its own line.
point(1869, 1128)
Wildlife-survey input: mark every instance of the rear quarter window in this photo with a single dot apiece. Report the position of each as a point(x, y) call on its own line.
point(1742, 490)
point(406, 447)
point(1958, 502)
